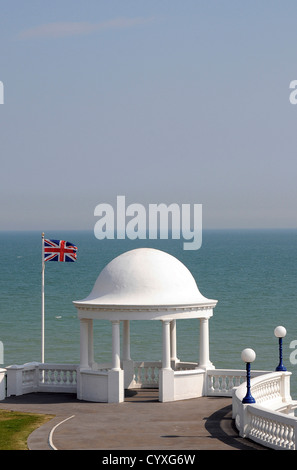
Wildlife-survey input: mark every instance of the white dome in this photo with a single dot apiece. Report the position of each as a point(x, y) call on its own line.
point(145, 276)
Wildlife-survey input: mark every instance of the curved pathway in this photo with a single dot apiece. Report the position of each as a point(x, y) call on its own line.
point(140, 423)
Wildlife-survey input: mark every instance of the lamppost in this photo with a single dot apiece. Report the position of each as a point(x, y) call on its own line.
point(280, 332)
point(248, 355)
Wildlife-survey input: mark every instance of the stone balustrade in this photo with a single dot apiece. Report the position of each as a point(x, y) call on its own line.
point(270, 421)
point(146, 374)
point(37, 377)
point(220, 382)
point(2, 384)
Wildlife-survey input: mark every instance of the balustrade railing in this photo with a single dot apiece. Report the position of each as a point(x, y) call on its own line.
point(271, 428)
point(270, 421)
point(54, 376)
point(146, 374)
point(185, 365)
point(37, 377)
point(220, 382)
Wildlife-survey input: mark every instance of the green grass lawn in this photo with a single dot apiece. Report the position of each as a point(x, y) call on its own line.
point(15, 428)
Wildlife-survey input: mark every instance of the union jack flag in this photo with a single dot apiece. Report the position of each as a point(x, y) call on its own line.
point(59, 250)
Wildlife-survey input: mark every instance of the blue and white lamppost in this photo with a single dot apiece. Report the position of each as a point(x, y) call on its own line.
point(280, 332)
point(248, 355)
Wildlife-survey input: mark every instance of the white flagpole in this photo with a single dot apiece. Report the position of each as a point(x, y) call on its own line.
point(42, 301)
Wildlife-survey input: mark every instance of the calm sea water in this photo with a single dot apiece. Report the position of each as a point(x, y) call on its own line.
point(252, 274)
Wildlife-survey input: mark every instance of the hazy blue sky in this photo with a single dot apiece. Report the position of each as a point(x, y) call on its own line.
point(160, 101)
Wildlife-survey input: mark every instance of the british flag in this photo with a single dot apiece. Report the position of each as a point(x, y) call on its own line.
point(59, 250)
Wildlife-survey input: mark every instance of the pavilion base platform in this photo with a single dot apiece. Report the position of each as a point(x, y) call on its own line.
point(108, 385)
point(101, 387)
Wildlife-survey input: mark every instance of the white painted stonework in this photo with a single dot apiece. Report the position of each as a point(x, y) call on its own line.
point(143, 284)
point(2, 383)
point(145, 277)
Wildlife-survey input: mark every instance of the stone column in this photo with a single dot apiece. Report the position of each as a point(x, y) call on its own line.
point(115, 374)
point(204, 361)
point(116, 361)
point(166, 374)
point(90, 343)
point(84, 343)
point(173, 351)
point(166, 345)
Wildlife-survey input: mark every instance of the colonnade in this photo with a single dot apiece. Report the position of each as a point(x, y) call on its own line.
point(169, 354)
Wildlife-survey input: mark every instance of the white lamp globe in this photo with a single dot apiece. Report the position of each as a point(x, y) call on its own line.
point(248, 355)
point(280, 331)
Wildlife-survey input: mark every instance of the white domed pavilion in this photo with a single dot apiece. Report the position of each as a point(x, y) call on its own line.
point(142, 284)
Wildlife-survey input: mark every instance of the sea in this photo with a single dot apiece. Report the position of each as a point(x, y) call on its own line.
point(252, 274)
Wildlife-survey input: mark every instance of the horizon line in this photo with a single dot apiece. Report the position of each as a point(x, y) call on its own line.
point(147, 231)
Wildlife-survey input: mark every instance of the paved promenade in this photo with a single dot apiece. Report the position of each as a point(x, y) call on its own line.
point(140, 423)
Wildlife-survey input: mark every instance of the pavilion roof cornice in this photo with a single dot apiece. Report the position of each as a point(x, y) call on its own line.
point(143, 308)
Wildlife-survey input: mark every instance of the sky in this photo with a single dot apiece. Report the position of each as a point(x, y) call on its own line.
point(162, 101)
